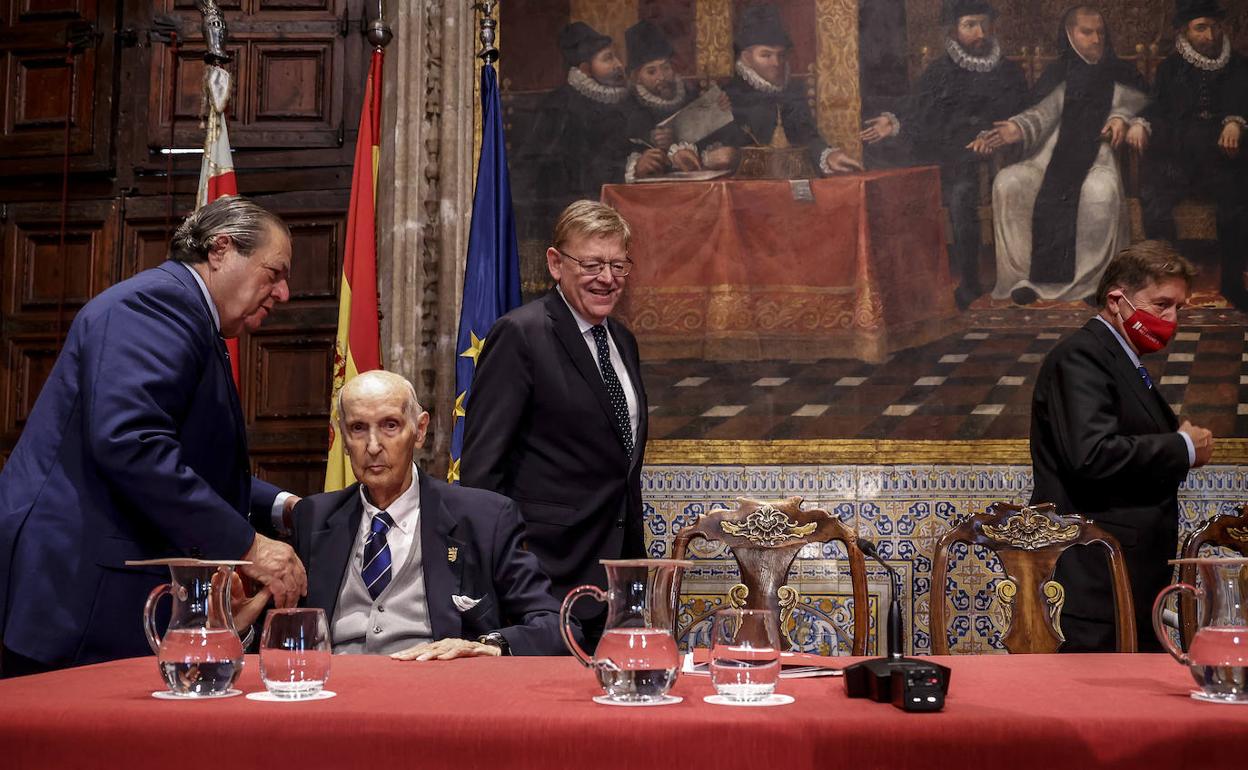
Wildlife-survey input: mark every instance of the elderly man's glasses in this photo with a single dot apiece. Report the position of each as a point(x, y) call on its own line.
point(619, 268)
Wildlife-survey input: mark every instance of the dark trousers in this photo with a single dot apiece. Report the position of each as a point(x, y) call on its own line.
point(12, 664)
point(959, 186)
point(1166, 180)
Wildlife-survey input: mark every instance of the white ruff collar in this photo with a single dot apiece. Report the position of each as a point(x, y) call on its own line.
point(592, 89)
point(654, 101)
point(757, 81)
point(973, 63)
point(1199, 60)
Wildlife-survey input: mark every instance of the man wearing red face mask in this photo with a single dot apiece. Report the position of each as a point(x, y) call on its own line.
point(1105, 444)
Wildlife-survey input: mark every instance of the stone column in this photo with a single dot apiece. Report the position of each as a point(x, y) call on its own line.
point(424, 201)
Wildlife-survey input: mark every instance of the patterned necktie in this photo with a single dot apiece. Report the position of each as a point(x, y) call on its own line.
point(1144, 373)
point(615, 391)
point(376, 570)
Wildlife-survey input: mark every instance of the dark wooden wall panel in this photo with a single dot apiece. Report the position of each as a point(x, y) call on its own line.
point(298, 82)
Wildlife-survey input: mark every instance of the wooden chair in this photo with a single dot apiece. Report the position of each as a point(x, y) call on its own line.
point(1228, 530)
point(765, 538)
point(1029, 540)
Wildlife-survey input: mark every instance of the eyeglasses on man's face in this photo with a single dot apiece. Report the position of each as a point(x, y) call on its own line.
point(619, 267)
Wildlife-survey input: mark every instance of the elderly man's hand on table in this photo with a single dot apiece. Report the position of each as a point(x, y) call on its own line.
point(447, 649)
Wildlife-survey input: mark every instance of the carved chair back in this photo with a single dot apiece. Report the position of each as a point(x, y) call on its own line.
point(1229, 530)
point(765, 539)
point(1028, 541)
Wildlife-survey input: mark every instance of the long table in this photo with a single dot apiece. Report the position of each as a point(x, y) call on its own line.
point(849, 266)
point(1043, 711)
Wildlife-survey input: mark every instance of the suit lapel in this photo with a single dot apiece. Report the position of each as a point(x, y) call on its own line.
point(182, 275)
point(569, 335)
point(1130, 378)
point(331, 548)
point(442, 575)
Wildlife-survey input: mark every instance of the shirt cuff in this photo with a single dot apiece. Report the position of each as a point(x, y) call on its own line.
point(278, 513)
point(1191, 449)
point(824, 158)
point(678, 146)
point(1235, 119)
point(893, 121)
point(630, 168)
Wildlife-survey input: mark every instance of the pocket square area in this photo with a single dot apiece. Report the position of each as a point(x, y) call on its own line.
point(464, 603)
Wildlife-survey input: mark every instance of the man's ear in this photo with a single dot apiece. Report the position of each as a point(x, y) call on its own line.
point(554, 264)
point(586, 68)
point(217, 249)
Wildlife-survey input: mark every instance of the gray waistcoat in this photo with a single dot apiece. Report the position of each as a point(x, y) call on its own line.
point(397, 620)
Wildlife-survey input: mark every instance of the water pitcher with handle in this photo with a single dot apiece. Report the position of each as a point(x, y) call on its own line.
point(637, 659)
point(1218, 653)
point(200, 655)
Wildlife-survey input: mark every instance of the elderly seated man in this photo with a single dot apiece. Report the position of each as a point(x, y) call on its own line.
point(412, 567)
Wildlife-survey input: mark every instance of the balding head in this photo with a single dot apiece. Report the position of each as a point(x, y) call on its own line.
point(382, 424)
point(378, 381)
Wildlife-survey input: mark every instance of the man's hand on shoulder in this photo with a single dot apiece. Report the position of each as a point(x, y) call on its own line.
point(276, 567)
point(1202, 441)
point(448, 649)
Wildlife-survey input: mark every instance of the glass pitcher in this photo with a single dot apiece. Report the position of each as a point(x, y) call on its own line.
point(200, 655)
point(637, 659)
point(1218, 658)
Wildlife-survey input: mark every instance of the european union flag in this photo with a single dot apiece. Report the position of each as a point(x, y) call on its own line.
point(492, 272)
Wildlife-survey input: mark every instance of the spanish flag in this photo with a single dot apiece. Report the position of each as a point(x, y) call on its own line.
point(216, 172)
point(358, 345)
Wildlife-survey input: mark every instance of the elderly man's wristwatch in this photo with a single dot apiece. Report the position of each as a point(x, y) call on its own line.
point(495, 639)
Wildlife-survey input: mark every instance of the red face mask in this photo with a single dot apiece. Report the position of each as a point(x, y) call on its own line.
point(1148, 332)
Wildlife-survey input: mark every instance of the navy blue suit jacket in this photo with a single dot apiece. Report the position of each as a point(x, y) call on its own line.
point(490, 563)
point(135, 449)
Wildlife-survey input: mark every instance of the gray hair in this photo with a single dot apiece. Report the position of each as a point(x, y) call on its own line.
point(244, 221)
point(391, 381)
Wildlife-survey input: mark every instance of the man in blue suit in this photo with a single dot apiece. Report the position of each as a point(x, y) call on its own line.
point(136, 449)
point(411, 567)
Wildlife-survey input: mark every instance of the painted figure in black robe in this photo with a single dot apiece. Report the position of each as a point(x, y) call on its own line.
point(1200, 102)
point(959, 95)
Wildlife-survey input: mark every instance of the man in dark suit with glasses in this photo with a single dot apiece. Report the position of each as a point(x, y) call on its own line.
point(557, 417)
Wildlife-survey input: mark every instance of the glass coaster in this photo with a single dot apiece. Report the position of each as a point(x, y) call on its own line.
point(775, 699)
point(268, 697)
point(666, 700)
point(166, 695)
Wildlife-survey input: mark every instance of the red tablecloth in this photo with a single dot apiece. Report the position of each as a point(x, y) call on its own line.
point(1022, 711)
point(748, 270)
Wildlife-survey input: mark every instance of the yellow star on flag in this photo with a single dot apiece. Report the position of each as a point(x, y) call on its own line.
point(474, 349)
point(459, 407)
point(452, 473)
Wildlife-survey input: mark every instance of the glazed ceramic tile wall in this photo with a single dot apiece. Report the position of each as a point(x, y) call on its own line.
point(904, 509)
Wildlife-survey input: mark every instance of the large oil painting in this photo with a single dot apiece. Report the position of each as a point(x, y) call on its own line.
point(871, 220)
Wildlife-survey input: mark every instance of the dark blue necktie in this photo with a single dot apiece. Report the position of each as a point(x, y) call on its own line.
point(615, 391)
point(376, 570)
point(1144, 373)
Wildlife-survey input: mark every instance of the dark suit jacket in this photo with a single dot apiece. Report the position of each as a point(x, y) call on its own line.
point(539, 430)
point(1104, 445)
point(135, 449)
point(490, 563)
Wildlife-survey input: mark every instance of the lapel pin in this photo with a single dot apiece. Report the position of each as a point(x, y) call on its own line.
point(452, 554)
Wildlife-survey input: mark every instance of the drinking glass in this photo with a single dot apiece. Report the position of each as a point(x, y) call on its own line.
point(745, 654)
point(294, 652)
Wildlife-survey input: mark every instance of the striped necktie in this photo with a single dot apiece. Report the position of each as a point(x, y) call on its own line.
point(376, 570)
point(615, 391)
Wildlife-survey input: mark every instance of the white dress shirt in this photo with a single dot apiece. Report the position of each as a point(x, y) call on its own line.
point(405, 512)
point(621, 371)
